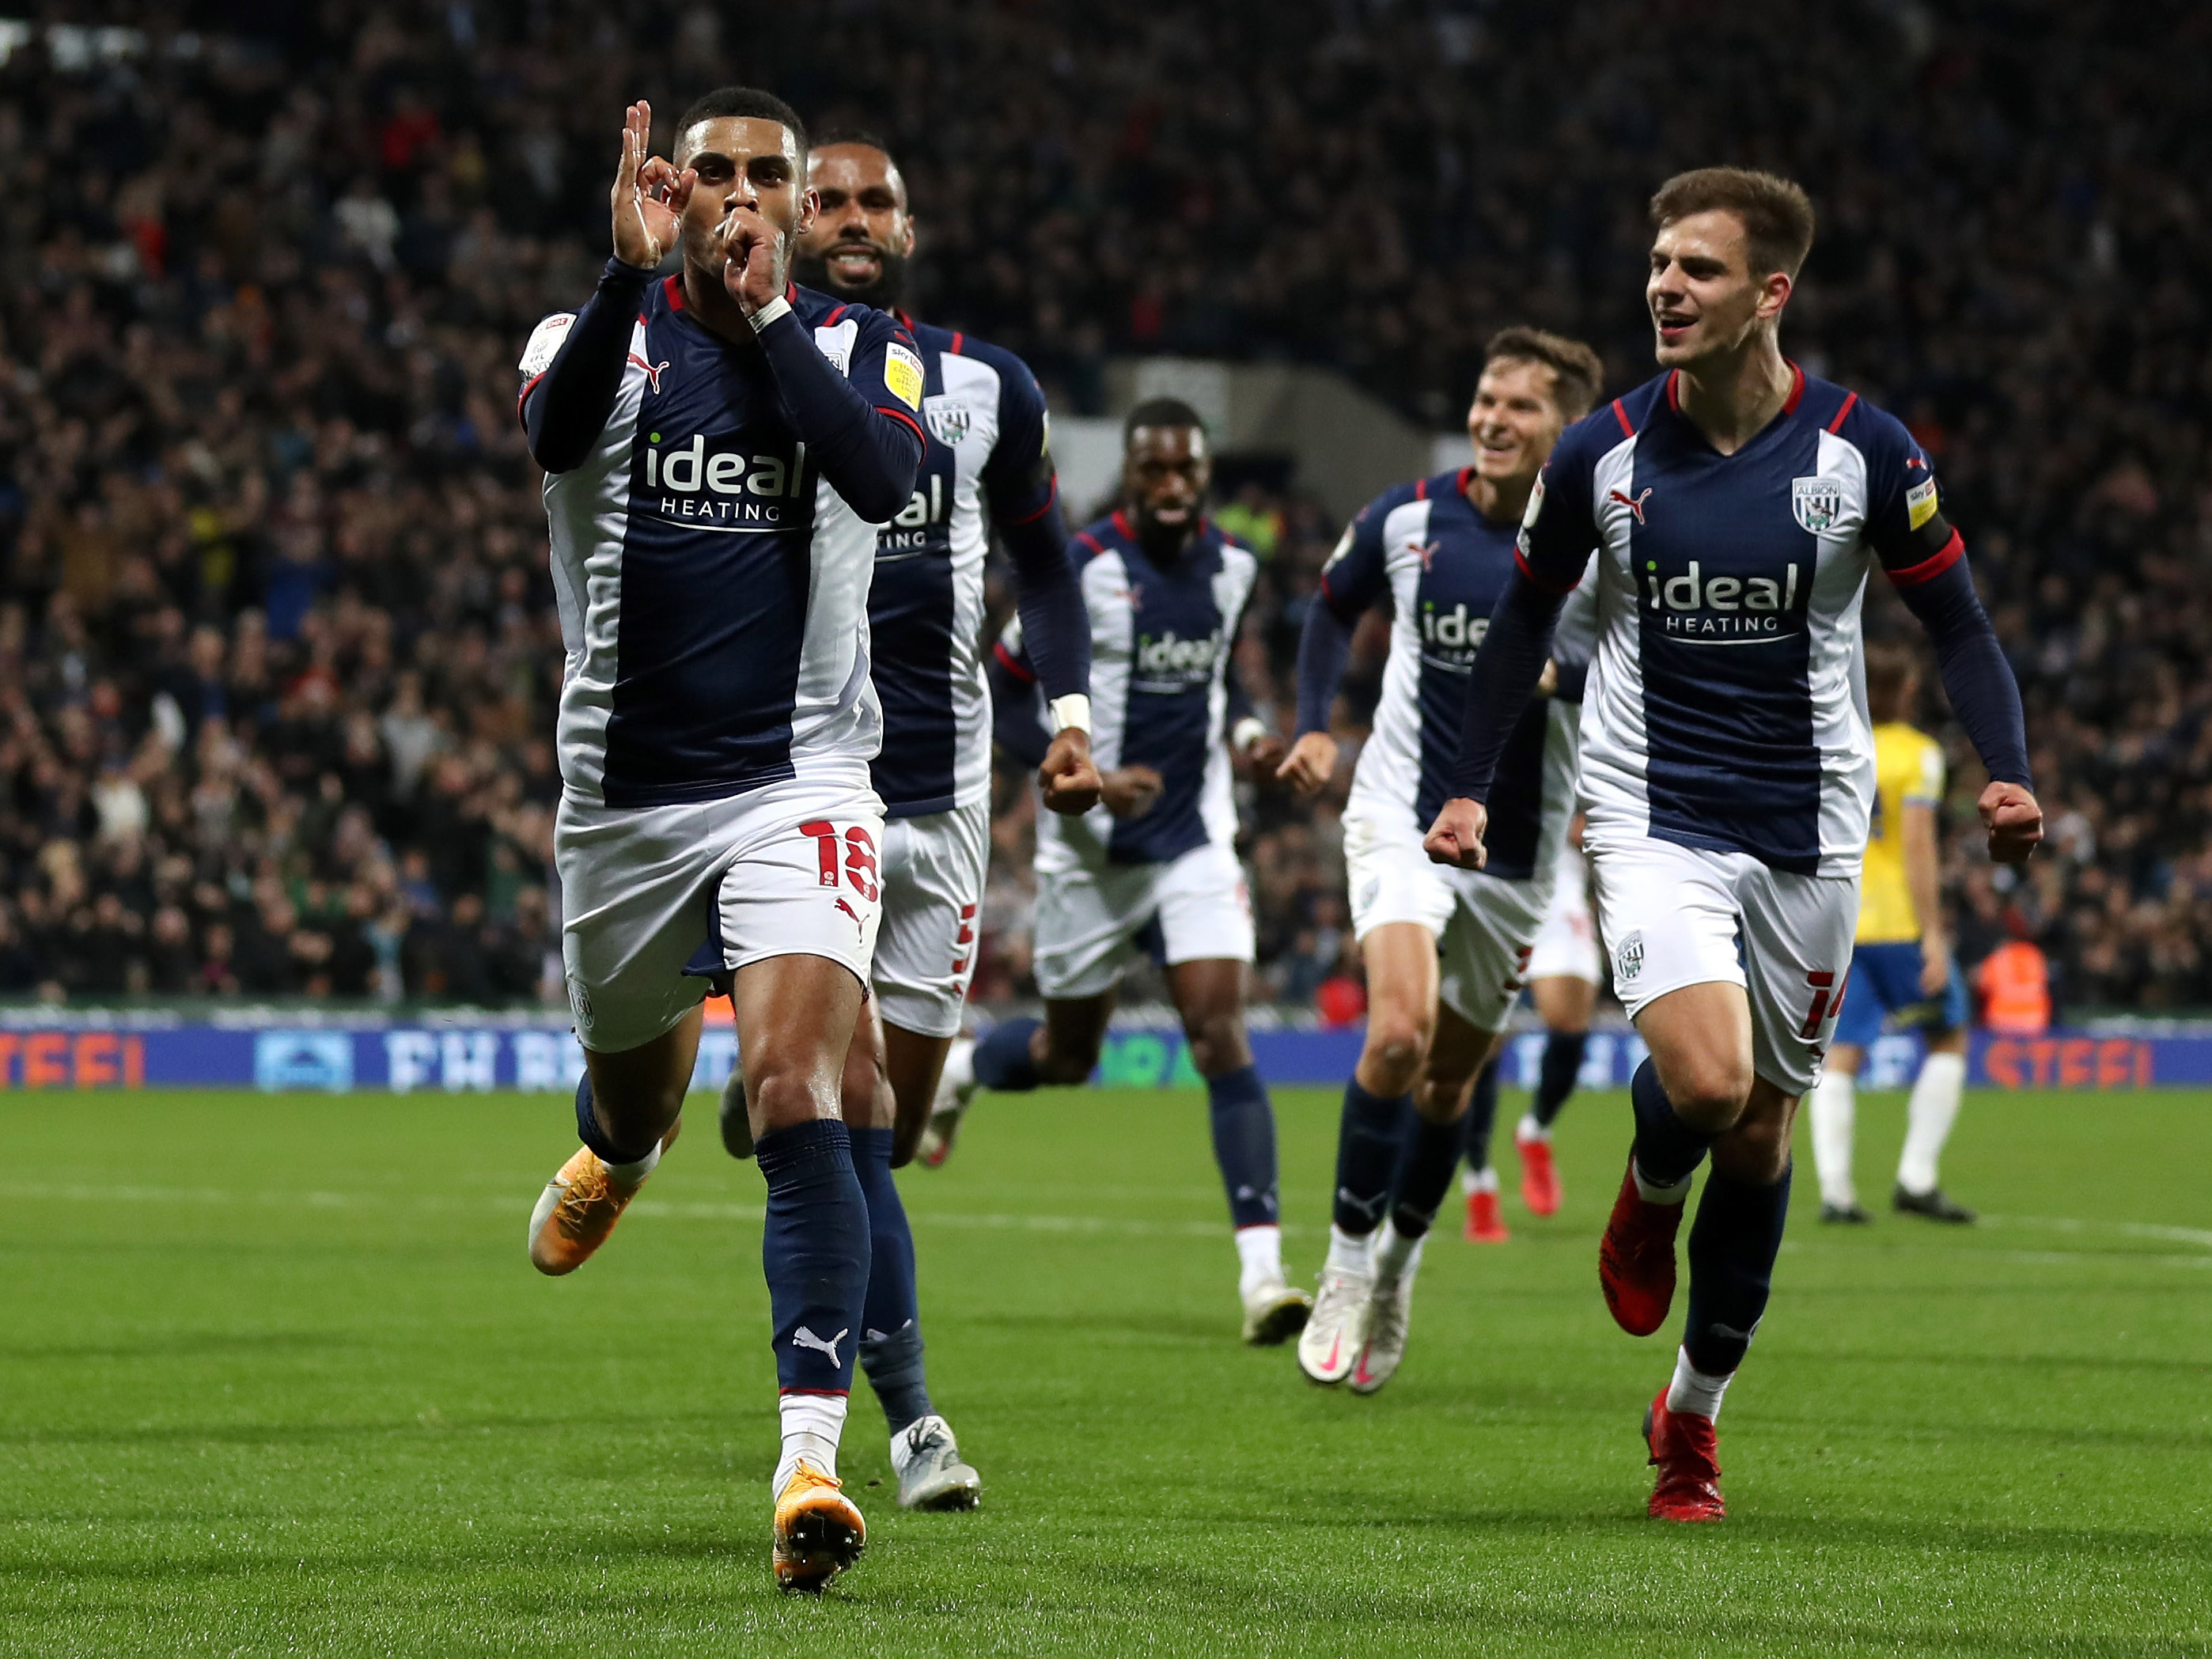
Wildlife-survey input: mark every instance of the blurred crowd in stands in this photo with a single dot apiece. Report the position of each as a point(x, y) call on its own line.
point(278, 650)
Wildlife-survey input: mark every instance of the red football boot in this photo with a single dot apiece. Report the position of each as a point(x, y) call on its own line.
point(1636, 1259)
point(1539, 1176)
point(1484, 1225)
point(1686, 1452)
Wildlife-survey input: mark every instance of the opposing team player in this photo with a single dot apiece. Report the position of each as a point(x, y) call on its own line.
point(1727, 770)
point(1901, 964)
point(1444, 950)
point(720, 447)
point(1564, 974)
point(1166, 591)
point(987, 466)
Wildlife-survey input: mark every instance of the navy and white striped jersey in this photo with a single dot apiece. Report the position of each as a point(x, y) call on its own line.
point(713, 586)
point(1161, 688)
point(987, 459)
point(1443, 565)
point(1726, 707)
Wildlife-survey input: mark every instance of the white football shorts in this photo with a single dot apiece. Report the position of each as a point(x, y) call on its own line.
point(1567, 945)
point(791, 869)
point(1680, 915)
point(934, 870)
point(1485, 925)
point(1089, 914)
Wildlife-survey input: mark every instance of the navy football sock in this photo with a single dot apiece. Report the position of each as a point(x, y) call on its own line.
point(1002, 1057)
point(1733, 1244)
point(1367, 1140)
point(1244, 1145)
point(1668, 1150)
point(895, 1371)
point(891, 1331)
point(1426, 1162)
point(1563, 1064)
point(589, 1132)
point(815, 1249)
point(1481, 1118)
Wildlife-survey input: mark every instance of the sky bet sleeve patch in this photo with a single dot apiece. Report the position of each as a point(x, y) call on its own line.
point(1920, 502)
point(545, 343)
point(902, 374)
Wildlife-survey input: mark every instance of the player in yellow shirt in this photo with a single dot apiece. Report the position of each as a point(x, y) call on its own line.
point(1901, 963)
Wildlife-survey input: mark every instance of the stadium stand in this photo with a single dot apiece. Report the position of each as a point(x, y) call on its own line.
point(277, 644)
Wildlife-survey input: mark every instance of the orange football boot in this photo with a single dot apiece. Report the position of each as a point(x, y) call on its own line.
point(579, 1208)
point(819, 1533)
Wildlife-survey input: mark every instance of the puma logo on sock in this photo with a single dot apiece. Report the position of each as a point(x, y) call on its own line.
point(803, 1338)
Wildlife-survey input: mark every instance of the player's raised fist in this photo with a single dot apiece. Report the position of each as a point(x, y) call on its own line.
point(648, 196)
point(1310, 764)
point(1456, 836)
point(757, 257)
point(1068, 779)
point(2013, 821)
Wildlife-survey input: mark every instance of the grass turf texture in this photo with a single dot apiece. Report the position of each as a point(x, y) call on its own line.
point(277, 1377)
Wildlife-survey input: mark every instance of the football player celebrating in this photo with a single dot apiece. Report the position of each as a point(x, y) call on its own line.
point(1901, 963)
point(987, 466)
point(1444, 949)
point(720, 447)
point(1166, 591)
point(1728, 775)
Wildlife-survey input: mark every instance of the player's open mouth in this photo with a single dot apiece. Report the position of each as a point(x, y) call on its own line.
point(854, 262)
point(1171, 514)
point(1672, 329)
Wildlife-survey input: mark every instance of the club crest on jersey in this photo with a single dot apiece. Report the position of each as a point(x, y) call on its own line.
point(1633, 503)
point(947, 418)
point(1818, 502)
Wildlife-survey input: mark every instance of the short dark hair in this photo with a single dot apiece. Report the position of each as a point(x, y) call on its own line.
point(1776, 215)
point(742, 103)
point(1577, 373)
point(860, 135)
point(1890, 665)
point(1160, 411)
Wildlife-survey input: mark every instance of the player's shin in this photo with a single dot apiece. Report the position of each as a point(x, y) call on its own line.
point(1368, 1138)
point(1834, 1108)
point(1668, 1150)
point(815, 1249)
point(1929, 1116)
point(1732, 1245)
point(627, 1165)
point(891, 1349)
point(1562, 1067)
point(1427, 1157)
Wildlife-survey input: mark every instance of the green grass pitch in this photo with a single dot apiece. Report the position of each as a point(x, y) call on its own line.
point(277, 1377)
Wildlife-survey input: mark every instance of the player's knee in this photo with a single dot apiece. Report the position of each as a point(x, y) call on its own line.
point(1709, 1091)
point(783, 1092)
point(1217, 1044)
point(1397, 1042)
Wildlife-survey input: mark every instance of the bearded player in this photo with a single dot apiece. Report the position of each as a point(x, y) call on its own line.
point(720, 449)
point(987, 466)
point(1444, 950)
point(1736, 505)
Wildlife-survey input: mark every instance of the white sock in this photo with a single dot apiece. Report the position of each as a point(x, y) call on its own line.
point(1694, 1392)
point(1928, 1119)
point(629, 1175)
point(811, 1425)
point(1484, 1180)
point(960, 1065)
point(1652, 1192)
point(1260, 1257)
point(903, 1442)
point(1350, 1253)
point(1397, 1257)
point(1528, 1129)
point(1834, 1106)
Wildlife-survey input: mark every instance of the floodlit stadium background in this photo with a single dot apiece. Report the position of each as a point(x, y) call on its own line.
point(277, 644)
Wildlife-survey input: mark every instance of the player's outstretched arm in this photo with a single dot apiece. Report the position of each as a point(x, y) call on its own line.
point(1984, 695)
point(575, 366)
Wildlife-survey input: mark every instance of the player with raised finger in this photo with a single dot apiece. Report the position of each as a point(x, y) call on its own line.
point(720, 448)
point(1736, 505)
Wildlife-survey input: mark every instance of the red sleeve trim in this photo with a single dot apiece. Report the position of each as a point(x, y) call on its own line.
point(528, 386)
point(1621, 415)
point(1837, 425)
point(911, 424)
point(1928, 570)
point(1549, 588)
point(1051, 495)
point(1008, 661)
